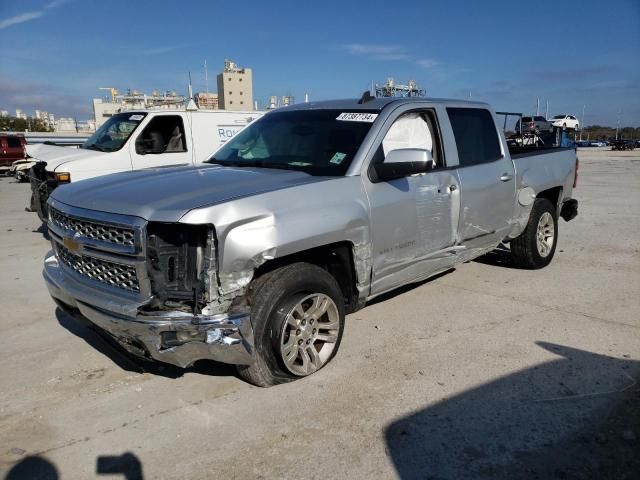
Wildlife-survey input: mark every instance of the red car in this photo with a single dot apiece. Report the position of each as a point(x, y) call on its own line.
point(12, 148)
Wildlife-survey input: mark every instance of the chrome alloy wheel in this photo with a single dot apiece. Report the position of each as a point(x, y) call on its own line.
point(545, 235)
point(309, 334)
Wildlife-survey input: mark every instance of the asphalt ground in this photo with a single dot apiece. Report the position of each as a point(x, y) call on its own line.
point(484, 372)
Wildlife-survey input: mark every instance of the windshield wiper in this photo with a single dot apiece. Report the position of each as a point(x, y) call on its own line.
point(94, 146)
point(256, 164)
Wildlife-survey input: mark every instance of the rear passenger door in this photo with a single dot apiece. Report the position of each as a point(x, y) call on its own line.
point(4, 156)
point(487, 179)
point(12, 149)
point(162, 142)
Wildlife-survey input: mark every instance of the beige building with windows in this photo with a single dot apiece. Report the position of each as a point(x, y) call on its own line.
point(207, 101)
point(235, 87)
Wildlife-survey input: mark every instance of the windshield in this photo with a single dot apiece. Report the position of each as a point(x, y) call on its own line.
point(313, 141)
point(557, 117)
point(113, 134)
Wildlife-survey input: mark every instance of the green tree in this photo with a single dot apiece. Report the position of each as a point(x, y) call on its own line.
point(13, 124)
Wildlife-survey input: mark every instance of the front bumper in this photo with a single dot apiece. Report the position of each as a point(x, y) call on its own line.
point(228, 337)
point(41, 188)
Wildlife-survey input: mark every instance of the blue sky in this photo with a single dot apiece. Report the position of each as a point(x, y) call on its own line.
point(56, 53)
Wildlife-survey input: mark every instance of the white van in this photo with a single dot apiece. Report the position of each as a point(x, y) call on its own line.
point(132, 141)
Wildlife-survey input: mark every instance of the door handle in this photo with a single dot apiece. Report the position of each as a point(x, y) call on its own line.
point(505, 177)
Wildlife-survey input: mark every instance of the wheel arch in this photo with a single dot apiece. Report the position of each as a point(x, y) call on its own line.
point(338, 259)
point(554, 195)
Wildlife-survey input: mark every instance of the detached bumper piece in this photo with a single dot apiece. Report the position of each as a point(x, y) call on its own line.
point(173, 337)
point(569, 209)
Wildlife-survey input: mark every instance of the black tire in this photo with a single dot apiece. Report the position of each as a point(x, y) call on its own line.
point(524, 249)
point(271, 297)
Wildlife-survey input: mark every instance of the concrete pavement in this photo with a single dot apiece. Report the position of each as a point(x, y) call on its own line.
point(484, 372)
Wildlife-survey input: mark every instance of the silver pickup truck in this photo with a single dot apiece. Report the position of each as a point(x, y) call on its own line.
point(255, 257)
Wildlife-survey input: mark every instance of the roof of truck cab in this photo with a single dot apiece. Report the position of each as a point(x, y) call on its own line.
point(375, 103)
point(177, 110)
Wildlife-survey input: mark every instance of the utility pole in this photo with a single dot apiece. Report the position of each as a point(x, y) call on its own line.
point(582, 122)
point(546, 112)
point(537, 106)
point(206, 77)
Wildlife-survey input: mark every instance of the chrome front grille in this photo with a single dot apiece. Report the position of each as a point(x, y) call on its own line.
point(115, 274)
point(94, 230)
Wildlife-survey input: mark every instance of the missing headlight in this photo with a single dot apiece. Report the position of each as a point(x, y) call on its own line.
point(175, 254)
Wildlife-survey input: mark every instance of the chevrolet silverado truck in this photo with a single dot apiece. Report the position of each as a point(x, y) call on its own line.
point(131, 141)
point(255, 257)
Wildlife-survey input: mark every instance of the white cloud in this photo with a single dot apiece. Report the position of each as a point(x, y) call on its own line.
point(377, 52)
point(28, 16)
point(55, 3)
point(160, 50)
point(394, 53)
point(427, 63)
point(23, 17)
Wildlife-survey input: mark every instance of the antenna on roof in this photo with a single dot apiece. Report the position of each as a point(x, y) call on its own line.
point(366, 97)
point(191, 104)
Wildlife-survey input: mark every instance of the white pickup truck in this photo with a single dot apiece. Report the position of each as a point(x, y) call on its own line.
point(132, 141)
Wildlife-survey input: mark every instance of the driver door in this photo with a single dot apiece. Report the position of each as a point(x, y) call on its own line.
point(414, 218)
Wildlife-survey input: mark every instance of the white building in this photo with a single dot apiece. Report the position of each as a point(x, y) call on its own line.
point(104, 108)
point(65, 125)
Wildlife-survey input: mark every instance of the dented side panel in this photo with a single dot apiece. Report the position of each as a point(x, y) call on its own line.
point(251, 231)
point(537, 173)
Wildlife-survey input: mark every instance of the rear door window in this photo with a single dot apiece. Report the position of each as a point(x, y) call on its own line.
point(13, 142)
point(476, 135)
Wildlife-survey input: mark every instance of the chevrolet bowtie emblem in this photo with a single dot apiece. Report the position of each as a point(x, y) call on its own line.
point(71, 245)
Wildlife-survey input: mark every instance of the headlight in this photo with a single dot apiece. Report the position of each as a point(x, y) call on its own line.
point(63, 177)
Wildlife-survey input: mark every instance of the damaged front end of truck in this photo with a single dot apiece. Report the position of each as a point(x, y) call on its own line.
point(153, 287)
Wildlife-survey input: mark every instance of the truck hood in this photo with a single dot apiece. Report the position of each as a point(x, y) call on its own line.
point(166, 194)
point(54, 156)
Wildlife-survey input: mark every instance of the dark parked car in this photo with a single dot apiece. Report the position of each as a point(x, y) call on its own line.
point(11, 149)
point(623, 145)
point(536, 124)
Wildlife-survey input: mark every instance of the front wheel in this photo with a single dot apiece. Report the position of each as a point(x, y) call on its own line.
point(298, 320)
point(535, 247)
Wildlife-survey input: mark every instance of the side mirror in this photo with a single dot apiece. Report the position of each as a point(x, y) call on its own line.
point(141, 149)
point(402, 163)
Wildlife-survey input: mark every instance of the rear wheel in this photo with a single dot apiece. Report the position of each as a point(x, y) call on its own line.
point(536, 246)
point(298, 320)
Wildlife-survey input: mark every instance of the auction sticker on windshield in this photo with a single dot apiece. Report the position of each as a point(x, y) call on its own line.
point(357, 117)
point(136, 118)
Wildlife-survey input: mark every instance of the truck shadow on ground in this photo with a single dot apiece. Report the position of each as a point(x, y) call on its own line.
point(576, 417)
point(107, 346)
point(499, 257)
point(34, 467)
